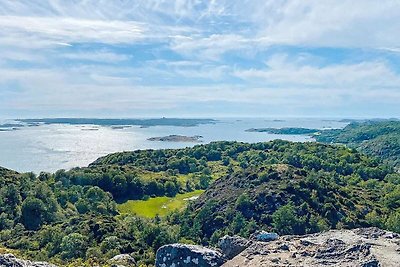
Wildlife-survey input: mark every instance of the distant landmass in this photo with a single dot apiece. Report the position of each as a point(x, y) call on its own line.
point(177, 138)
point(10, 125)
point(376, 137)
point(126, 122)
point(294, 131)
point(379, 138)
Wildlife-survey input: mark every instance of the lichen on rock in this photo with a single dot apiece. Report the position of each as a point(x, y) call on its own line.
point(183, 255)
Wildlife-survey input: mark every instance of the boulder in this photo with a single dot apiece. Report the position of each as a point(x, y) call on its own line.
point(264, 236)
point(183, 255)
point(232, 245)
point(9, 260)
point(123, 260)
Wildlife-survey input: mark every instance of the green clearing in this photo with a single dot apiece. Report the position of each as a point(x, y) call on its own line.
point(158, 205)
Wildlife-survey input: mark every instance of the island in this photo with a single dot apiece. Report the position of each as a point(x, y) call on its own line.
point(8, 129)
point(177, 138)
point(123, 122)
point(294, 131)
point(11, 125)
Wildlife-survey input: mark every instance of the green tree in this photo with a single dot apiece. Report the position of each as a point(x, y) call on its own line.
point(33, 212)
point(393, 222)
point(73, 246)
point(286, 221)
point(170, 189)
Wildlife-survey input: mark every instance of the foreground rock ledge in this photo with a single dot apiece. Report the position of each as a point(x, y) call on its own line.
point(363, 247)
point(182, 255)
point(366, 247)
point(9, 260)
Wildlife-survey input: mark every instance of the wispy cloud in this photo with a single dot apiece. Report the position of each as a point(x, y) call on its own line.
point(50, 31)
point(159, 55)
point(97, 56)
point(282, 71)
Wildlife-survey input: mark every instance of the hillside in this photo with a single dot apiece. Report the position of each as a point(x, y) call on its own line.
point(71, 216)
point(375, 138)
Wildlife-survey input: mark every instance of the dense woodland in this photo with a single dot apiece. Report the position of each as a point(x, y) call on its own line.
point(292, 188)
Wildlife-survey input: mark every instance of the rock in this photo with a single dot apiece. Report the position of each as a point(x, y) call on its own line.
point(264, 236)
point(363, 247)
point(232, 245)
point(123, 260)
point(9, 260)
point(182, 255)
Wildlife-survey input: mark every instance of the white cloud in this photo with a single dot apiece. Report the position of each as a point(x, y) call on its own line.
point(209, 48)
point(184, 44)
point(53, 31)
point(97, 56)
point(282, 71)
point(208, 27)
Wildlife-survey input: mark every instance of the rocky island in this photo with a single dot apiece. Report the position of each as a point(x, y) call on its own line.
point(177, 138)
point(294, 131)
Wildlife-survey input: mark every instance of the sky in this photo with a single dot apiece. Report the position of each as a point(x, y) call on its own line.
point(225, 58)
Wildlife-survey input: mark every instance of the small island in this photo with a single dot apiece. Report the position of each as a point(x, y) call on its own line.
point(8, 129)
point(177, 138)
point(293, 131)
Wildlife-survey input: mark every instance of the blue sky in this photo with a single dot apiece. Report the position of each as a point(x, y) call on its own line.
point(199, 58)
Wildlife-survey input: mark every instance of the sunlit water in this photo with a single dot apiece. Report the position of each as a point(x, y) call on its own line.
point(62, 146)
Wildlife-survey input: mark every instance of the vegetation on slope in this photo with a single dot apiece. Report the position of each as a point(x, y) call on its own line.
point(376, 138)
point(71, 216)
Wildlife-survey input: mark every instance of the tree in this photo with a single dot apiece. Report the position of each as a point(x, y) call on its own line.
point(73, 246)
point(109, 243)
point(286, 221)
point(204, 181)
point(120, 186)
point(243, 204)
point(33, 213)
point(170, 189)
point(393, 222)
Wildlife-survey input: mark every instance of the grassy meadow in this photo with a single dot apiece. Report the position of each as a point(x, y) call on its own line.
point(157, 206)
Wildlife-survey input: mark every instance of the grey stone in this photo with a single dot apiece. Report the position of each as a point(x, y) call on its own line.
point(363, 247)
point(232, 245)
point(123, 260)
point(264, 236)
point(9, 260)
point(183, 255)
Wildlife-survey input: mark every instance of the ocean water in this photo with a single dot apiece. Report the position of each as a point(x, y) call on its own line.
point(62, 146)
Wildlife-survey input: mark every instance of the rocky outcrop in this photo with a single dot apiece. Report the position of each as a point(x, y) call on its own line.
point(182, 255)
point(363, 247)
point(9, 260)
point(125, 260)
point(232, 245)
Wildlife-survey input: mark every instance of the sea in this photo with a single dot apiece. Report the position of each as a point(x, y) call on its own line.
point(50, 147)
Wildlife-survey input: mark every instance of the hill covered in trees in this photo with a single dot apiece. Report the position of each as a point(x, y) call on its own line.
point(70, 216)
point(375, 138)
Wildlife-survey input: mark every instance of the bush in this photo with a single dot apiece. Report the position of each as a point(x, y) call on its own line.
point(73, 246)
point(286, 221)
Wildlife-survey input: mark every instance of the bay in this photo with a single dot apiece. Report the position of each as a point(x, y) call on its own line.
point(50, 147)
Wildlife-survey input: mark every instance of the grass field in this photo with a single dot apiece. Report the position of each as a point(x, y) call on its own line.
point(158, 205)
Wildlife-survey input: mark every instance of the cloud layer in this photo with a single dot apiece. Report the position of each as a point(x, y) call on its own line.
point(199, 58)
